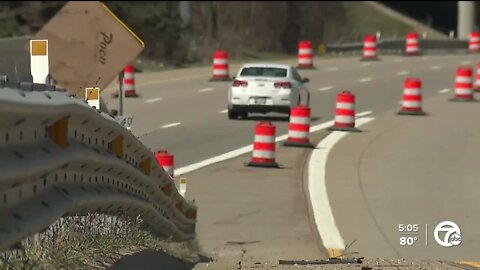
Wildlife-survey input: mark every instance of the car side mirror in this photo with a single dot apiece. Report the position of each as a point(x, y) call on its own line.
point(305, 80)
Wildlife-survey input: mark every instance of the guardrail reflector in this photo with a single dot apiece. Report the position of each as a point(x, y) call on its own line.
point(179, 206)
point(167, 189)
point(59, 132)
point(191, 213)
point(92, 96)
point(183, 186)
point(39, 60)
point(117, 146)
point(147, 166)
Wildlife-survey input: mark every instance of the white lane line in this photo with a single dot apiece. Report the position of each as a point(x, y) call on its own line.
point(325, 88)
point(404, 72)
point(362, 114)
point(365, 79)
point(205, 90)
point(317, 188)
point(366, 64)
point(466, 62)
point(332, 69)
point(443, 91)
point(171, 125)
point(246, 149)
point(435, 67)
point(224, 111)
point(153, 100)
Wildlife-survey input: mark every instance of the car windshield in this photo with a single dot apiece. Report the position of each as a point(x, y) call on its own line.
point(264, 72)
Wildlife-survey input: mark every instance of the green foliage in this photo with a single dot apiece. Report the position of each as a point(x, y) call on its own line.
point(158, 24)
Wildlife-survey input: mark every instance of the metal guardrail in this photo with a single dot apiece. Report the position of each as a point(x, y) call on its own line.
point(397, 46)
point(59, 157)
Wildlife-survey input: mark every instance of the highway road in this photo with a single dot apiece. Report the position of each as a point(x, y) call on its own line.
point(375, 179)
point(181, 111)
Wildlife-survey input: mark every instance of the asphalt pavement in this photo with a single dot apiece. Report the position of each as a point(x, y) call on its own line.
point(183, 112)
point(400, 170)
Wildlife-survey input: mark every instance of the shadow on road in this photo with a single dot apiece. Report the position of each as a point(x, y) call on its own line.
point(151, 259)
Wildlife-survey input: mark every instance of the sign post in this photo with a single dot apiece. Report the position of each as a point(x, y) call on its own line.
point(122, 93)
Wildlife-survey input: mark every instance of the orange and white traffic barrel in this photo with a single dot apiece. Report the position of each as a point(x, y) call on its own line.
point(264, 146)
point(463, 85)
point(166, 161)
point(345, 112)
point(299, 127)
point(220, 66)
point(129, 81)
point(305, 55)
point(412, 44)
point(412, 97)
point(370, 48)
point(474, 42)
point(477, 81)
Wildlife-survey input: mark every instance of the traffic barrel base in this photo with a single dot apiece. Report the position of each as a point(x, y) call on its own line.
point(412, 54)
point(298, 144)
point(116, 95)
point(457, 99)
point(263, 164)
point(363, 59)
point(302, 67)
point(406, 112)
point(346, 129)
point(225, 79)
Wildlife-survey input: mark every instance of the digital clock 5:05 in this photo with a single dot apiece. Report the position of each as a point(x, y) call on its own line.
point(408, 228)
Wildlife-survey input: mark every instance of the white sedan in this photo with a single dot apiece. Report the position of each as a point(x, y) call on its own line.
point(264, 88)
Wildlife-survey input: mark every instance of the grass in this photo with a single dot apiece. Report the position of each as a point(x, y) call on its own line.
point(364, 19)
point(91, 244)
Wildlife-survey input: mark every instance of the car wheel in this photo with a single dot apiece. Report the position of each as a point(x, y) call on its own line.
point(232, 114)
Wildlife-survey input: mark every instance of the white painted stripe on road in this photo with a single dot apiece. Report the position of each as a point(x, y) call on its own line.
point(365, 79)
point(326, 88)
point(404, 72)
point(205, 90)
point(332, 69)
point(248, 148)
point(362, 114)
point(443, 91)
point(436, 67)
point(224, 111)
point(171, 125)
point(153, 100)
point(317, 189)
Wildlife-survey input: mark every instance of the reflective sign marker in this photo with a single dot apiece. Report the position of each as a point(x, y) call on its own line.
point(39, 60)
point(92, 96)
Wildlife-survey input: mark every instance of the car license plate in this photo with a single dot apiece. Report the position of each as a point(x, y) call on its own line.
point(260, 101)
